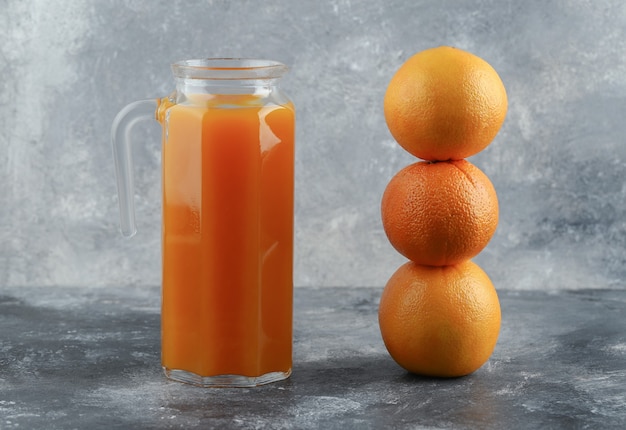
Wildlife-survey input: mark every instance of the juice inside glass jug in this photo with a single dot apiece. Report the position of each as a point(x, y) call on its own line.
point(227, 228)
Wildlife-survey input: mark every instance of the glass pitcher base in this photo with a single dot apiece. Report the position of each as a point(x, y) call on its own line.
point(224, 381)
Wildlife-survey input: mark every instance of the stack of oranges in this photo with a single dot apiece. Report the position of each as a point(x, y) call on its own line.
point(439, 313)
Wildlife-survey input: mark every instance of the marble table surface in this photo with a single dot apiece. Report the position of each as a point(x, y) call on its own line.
point(81, 358)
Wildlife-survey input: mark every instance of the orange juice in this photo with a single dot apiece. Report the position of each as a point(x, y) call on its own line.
point(227, 237)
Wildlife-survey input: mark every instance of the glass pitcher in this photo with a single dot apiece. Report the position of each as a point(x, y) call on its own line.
point(227, 226)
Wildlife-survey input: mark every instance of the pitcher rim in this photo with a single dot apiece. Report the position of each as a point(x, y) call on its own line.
point(229, 68)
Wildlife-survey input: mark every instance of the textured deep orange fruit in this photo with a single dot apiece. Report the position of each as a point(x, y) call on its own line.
point(439, 213)
point(445, 104)
point(440, 321)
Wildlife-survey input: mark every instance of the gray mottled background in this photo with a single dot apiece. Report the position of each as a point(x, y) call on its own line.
point(558, 164)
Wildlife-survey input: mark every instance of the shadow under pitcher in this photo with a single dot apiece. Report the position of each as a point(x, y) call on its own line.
point(227, 221)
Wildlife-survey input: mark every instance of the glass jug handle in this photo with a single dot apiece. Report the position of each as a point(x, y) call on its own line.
point(122, 155)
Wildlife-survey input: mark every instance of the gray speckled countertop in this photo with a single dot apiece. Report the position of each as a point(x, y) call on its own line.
point(75, 358)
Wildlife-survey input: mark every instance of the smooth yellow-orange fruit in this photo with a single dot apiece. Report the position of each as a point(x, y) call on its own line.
point(440, 321)
point(439, 213)
point(445, 104)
